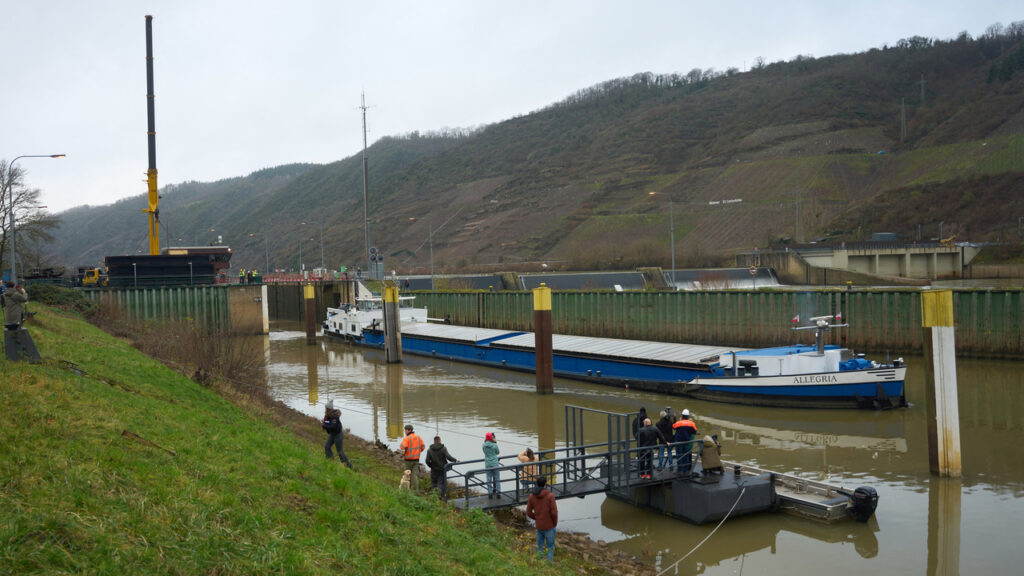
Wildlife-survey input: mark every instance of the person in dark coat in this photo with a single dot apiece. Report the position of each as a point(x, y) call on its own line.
point(685, 431)
point(542, 509)
point(647, 438)
point(335, 432)
point(667, 434)
point(711, 455)
point(437, 460)
point(638, 422)
point(14, 303)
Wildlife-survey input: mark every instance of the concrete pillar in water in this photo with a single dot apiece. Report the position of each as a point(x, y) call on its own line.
point(309, 294)
point(942, 408)
point(392, 326)
point(542, 343)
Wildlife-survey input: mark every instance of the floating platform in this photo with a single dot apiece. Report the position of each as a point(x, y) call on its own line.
point(612, 468)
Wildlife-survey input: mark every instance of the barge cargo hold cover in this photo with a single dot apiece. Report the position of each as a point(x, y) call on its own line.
point(176, 266)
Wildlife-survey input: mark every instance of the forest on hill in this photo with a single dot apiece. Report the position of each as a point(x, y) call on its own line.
point(924, 138)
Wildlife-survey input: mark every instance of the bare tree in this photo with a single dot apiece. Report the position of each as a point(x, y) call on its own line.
point(33, 224)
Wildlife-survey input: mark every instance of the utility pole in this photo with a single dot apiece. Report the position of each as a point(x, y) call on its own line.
point(903, 120)
point(798, 231)
point(366, 195)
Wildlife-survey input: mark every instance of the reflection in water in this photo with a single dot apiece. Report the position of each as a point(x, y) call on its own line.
point(312, 374)
point(393, 399)
point(886, 450)
point(741, 544)
point(944, 526)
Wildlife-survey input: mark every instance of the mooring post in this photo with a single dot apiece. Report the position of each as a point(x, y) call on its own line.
point(542, 339)
point(392, 326)
point(942, 409)
point(309, 292)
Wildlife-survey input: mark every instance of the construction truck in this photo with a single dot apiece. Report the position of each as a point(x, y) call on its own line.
point(91, 277)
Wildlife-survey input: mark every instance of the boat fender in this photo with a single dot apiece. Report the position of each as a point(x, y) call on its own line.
point(503, 362)
point(598, 373)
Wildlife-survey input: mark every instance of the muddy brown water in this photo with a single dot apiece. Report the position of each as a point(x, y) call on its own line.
point(923, 525)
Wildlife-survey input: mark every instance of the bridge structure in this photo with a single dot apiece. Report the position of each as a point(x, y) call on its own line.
point(576, 470)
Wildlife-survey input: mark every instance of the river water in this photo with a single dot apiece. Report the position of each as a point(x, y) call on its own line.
point(923, 525)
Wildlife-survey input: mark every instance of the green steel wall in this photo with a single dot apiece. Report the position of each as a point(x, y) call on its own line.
point(988, 323)
point(285, 300)
point(207, 305)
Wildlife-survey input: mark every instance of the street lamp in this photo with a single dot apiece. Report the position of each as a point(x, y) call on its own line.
point(10, 171)
point(266, 248)
point(135, 275)
point(672, 239)
point(191, 282)
point(430, 237)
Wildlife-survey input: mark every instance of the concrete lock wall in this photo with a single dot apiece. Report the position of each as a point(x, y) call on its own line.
point(988, 323)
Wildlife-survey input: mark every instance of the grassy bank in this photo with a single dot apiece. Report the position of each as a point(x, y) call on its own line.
point(118, 464)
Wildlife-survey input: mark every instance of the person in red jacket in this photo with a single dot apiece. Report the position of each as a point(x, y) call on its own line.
point(543, 510)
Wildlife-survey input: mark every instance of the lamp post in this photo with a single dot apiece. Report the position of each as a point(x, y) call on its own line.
point(135, 275)
point(430, 239)
point(672, 240)
point(191, 282)
point(266, 251)
point(321, 246)
point(10, 172)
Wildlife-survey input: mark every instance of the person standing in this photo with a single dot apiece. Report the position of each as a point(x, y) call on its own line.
point(638, 422)
point(14, 311)
point(335, 432)
point(647, 437)
point(528, 474)
point(543, 510)
point(685, 431)
point(437, 460)
point(665, 427)
point(490, 448)
point(412, 446)
point(711, 455)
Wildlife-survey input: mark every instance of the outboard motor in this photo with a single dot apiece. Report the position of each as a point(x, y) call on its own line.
point(863, 502)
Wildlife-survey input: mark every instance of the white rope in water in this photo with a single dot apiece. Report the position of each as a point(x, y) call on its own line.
point(676, 563)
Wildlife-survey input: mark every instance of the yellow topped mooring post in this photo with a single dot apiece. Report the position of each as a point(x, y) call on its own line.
point(309, 294)
point(392, 325)
point(942, 408)
point(542, 339)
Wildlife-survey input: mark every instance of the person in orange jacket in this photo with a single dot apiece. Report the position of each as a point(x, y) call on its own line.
point(412, 446)
point(685, 430)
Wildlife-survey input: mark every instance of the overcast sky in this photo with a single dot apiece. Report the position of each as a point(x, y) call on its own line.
point(244, 85)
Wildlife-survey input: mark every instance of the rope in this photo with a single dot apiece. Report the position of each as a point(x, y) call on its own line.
point(701, 543)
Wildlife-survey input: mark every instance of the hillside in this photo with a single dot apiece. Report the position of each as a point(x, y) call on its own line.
point(788, 151)
point(113, 463)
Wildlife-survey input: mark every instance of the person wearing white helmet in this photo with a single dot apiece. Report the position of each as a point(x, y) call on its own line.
point(685, 430)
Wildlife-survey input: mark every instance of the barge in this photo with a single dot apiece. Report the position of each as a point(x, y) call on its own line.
point(799, 375)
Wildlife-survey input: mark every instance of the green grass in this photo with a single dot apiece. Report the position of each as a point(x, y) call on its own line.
point(223, 491)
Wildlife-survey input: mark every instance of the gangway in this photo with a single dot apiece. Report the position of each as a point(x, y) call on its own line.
point(576, 470)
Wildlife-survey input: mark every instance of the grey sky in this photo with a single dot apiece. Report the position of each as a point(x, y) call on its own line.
point(251, 84)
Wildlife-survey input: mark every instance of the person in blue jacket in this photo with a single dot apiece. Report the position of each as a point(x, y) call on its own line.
point(490, 448)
